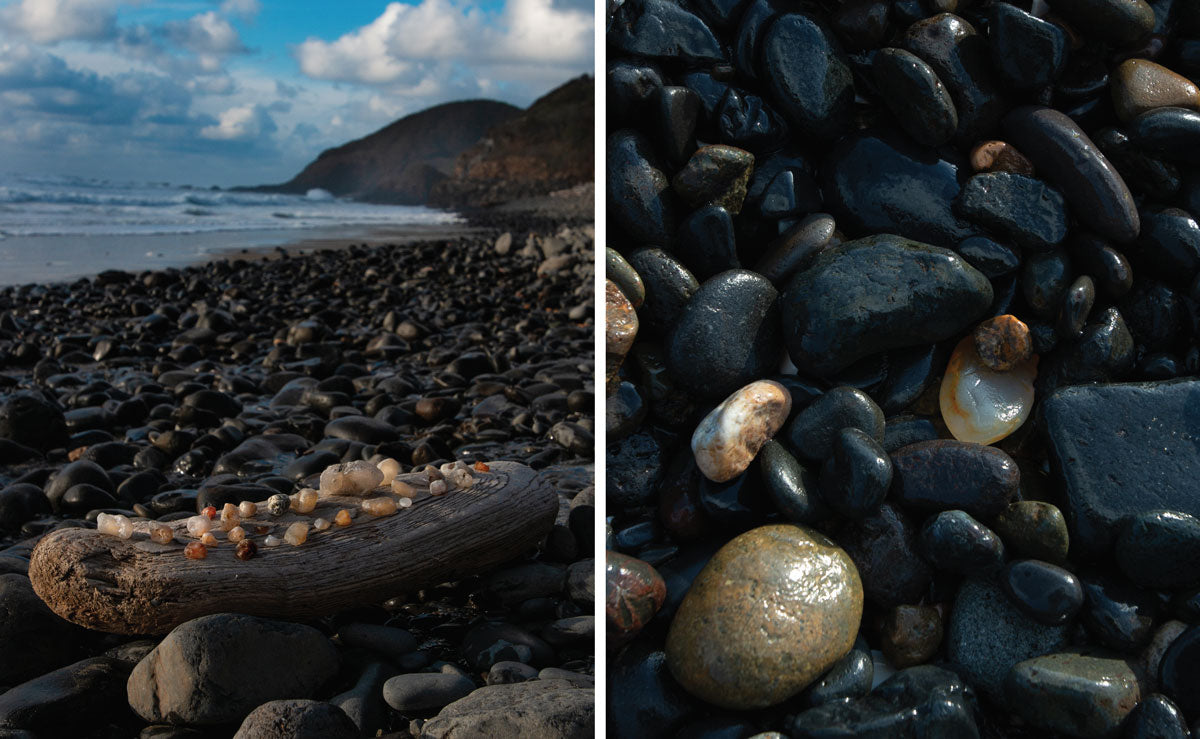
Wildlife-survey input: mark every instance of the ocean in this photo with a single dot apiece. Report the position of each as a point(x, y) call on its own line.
point(54, 229)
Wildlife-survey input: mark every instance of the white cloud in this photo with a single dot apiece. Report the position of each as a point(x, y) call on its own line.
point(205, 34)
point(241, 8)
point(242, 123)
point(47, 21)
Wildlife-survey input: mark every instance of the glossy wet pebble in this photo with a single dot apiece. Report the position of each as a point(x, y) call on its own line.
point(947, 475)
point(815, 428)
point(1045, 592)
point(1080, 694)
point(915, 94)
point(979, 404)
point(911, 635)
point(722, 645)
point(1034, 529)
point(1003, 342)
point(1160, 550)
point(952, 541)
point(857, 475)
point(1024, 209)
point(729, 437)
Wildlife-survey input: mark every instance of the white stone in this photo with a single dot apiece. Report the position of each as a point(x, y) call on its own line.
point(198, 526)
point(390, 468)
point(114, 525)
point(727, 440)
point(352, 478)
point(982, 405)
point(437, 487)
point(272, 541)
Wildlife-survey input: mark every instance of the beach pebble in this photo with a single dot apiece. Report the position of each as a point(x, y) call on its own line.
point(953, 541)
point(911, 635)
point(1045, 592)
point(297, 719)
point(1003, 342)
point(63, 702)
point(727, 440)
point(946, 475)
point(856, 475)
point(849, 678)
point(634, 592)
point(420, 692)
point(884, 550)
point(814, 429)
point(1076, 693)
point(534, 708)
point(1160, 550)
point(981, 405)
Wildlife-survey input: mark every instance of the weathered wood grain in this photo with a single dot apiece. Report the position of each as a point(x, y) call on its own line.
point(138, 587)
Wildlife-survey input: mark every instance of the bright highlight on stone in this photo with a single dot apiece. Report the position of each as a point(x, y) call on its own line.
point(198, 526)
point(114, 525)
point(390, 468)
point(272, 541)
point(351, 478)
point(727, 440)
point(980, 404)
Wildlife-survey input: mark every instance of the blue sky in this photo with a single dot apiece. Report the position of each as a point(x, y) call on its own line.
point(233, 92)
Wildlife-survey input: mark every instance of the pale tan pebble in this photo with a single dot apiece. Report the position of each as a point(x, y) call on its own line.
point(390, 468)
point(230, 517)
point(247, 508)
point(379, 506)
point(236, 534)
point(320, 524)
point(272, 541)
point(351, 478)
point(160, 533)
point(404, 502)
point(114, 524)
point(982, 405)
point(437, 487)
point(296, 534)
point(208, 539)
point(433, 473)
point(450, 467)
point(342, 518)
point(198, 526)
point(727, 440)
point(403, 489)
point(461, 479)
point(305, 501)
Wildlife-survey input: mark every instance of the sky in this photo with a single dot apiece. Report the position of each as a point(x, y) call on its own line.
point(240, 92)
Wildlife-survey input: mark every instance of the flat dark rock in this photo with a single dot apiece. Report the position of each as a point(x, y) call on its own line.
point(1120, 450)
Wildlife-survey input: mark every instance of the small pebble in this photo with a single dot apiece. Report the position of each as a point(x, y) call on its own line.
point(296, 534)
point(390, 468)
point(160, 533)
point(437, 487)
point(278, 504)
point(403, 489)
point(229, 517)
point(198, 526)
point(272, 541)
point(342, 518)
point(236, 534)
point(727, 440)
point(245, 550)
point(379, 506)
point(981, 405)
point(1003, 342)
point(210, 512)
point(304, 501)
point(208, 539)
point(114, 525)
point(320, 524)
point(195, 550)
point(247, 508)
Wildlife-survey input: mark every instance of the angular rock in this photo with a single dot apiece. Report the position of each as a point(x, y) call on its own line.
point(1026, 210)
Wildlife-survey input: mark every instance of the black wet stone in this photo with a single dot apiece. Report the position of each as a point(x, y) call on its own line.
point(1045, 276)
point(988, 635)
point(848, 679)
point(874, 294)
point(1168, 246)
point(910, 372)
point(1028, 53)
point(808, 75)
point(861, 24)
point(988, 256)
point(728, 335)
point(1143, 171)
point(633, 467)
point(952, 541)
point(1179, 671)
point(904, 430)
point(948, 475)
point(796, 248)
point(788, 485)
point(645, 700)
point(748, 122)
point(1172, 133)
point(736, 504)
point(1077, 304)
point(631, 89)
point(884, 550)
point(1045, 592)
point(21, 502)
point(661, 29)
point(1026, 210)
point(76, 473)
point(678, 113)
point(1107, 441)
point(915, 95)
point(30, 420)
point(1063, 154)
point(1155, 314)
point(1107, 267)
point(813, 432)
point(919, 701)
point(624, 411)
point(1160, 550)
point(1119, 22)
point(669, 286)
point(1156, 717)
point(856, 476)
point(1104, 353)
point(361, 428)
point(878, 182)
point(639, 198)
point(1119, 615)
point(309, 464)
point(781, 185)
point(706, 243)
point(959, 56)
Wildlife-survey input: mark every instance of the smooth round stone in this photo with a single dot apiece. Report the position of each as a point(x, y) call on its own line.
point(1170, 132)
point(1046, 592)
point(861, 24)
point(620, 329)
point(1160, 550)
point(728, 335)
point(729, 437)
point(808, 75)
point(1119, 22)
point(813, 431)
point(951, 46)
point(1118, 614)
point(1144, 171)
point(1000, 156)
point(884, 183)
point(1107, 267)
point(1033, 529)
point(669, 286)
point(1028, 53)
point(1140, 85)
point(952, 541)
point(361, 428)
point(706, 242)
point(1180, 670)
point(1002, 342)
point(947, 475)
point(795, 249)
point(775, 584)
point(634, 592)
point(677, 111)
point(1065, 156)
point(856, 477)
point(1022, 208)
point(643, 698)
point(912, 91)
point(1045, 277)
point(1077, 304)
point(1076, 693)
point(990, 257)
point(620, 271)
point(1156, 717)
point(789, 486)
point(715, 175)
point(883, 548)
point(988, 635)
point(1168, 246)
point(882, 292)
point(29, 419)
point(425, 691)
point(848, 679)
point(911, 635)
point(639, 196)
point(661, 29)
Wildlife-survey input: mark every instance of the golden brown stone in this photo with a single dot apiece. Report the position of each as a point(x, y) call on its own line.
point(1000, 156)
point(1002, 342)
point(1140, 85)
point(620, 329)
point(771, 612)
point(195, 550)
point(911, 635)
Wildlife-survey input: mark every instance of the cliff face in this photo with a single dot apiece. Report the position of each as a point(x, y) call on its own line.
point(548, 147)
point(404, 161)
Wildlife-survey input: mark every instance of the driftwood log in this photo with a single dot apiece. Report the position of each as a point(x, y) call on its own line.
point(136, 586)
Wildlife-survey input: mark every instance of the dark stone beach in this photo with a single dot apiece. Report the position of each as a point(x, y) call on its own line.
point(155, 394)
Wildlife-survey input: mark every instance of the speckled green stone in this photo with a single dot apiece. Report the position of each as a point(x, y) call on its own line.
point(770, 613)
point(1032, 529)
